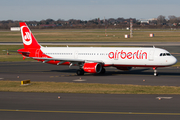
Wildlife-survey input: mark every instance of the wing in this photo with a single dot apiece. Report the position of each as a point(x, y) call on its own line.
point(62, 60)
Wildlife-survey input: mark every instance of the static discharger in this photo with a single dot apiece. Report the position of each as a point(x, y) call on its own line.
point(25, 82)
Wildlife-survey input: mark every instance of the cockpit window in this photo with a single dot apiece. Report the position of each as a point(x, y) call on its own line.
point(165, 54)
point(168, 54)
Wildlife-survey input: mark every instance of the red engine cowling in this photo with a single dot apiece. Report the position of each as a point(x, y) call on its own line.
point(124, 68)
point(92, 67)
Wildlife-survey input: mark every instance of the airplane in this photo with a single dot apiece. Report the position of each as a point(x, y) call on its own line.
point(94, 59)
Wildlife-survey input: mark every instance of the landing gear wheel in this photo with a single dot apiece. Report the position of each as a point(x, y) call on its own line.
point(103, 71)
point(80, 72)
point(155, 74)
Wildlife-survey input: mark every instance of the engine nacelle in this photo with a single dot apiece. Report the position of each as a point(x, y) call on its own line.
point(92, 67)
point(124, 68)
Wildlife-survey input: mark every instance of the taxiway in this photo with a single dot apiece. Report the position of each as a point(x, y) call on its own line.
point(28, 106)
point(37, 71)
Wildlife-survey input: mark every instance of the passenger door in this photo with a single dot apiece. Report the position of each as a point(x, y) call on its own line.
point(151, 55)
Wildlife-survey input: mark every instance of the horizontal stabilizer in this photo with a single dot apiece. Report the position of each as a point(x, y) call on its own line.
point(24, 53)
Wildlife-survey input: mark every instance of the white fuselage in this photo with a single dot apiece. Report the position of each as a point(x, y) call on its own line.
point(115, 56)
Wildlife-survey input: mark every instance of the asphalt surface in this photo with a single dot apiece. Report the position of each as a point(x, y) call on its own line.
point(28, 106)
point(36, 106)
point(37, 71)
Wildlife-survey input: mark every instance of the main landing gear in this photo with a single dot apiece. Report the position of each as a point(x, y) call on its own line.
point(103, 71)
point(80, 72)
point(155, 71)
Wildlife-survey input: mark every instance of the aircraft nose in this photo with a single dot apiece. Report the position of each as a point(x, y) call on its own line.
point(173, 60)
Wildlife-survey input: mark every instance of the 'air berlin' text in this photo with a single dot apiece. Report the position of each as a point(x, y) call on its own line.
point(139, 54)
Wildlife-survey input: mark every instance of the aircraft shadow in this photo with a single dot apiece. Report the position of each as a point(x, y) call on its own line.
point(146, 71)
point(66, 70)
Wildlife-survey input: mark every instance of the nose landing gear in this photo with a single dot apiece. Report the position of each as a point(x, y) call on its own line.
point(155, 71)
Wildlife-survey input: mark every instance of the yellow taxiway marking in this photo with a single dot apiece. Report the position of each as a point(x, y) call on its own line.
point(88, 112)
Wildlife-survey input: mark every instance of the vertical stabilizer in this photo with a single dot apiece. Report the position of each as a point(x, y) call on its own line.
point(29, 40)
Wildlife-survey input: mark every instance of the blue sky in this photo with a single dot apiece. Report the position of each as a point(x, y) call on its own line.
point(86, 9)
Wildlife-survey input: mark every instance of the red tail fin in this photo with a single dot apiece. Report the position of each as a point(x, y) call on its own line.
point(29, 40)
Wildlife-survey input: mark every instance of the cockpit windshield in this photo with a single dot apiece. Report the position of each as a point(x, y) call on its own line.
point(165, 54)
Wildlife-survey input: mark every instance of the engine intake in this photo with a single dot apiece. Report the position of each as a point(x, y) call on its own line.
point(92, 67)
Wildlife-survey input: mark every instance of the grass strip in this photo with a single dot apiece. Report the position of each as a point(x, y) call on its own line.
point(93, 88)
point(94, 35)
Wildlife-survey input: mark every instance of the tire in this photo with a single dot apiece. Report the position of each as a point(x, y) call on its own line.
point(80, 72)
point(103, 71)
point(155, 74)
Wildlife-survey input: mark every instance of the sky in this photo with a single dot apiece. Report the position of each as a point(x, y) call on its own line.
point(28, 10)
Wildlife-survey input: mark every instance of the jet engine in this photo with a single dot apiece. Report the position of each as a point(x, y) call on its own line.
point(92, 67)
